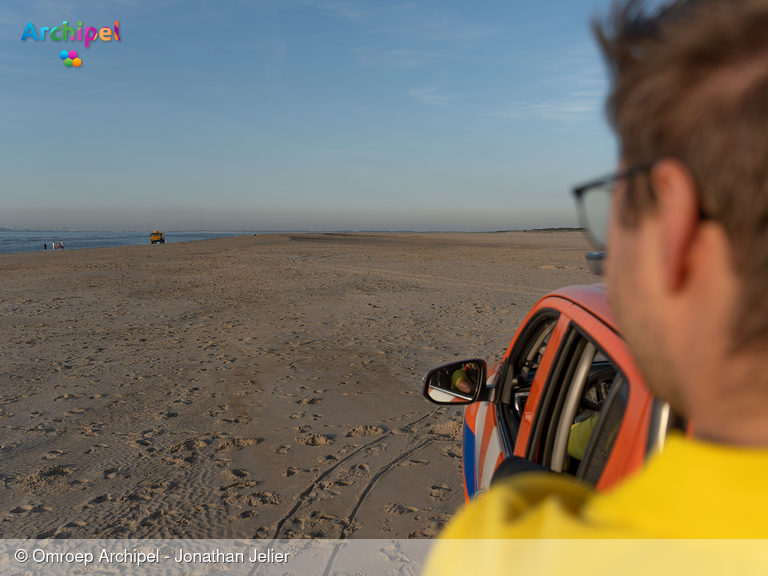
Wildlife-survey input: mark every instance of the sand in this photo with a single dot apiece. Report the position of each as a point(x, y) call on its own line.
point(251, 387)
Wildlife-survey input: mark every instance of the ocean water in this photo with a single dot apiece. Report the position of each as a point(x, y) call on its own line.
point(25, 241)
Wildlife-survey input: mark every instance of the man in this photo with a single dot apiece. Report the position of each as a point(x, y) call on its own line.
point(687, 277)
point(465, 380)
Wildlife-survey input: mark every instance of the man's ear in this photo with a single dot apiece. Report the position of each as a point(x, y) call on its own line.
point(678, 212)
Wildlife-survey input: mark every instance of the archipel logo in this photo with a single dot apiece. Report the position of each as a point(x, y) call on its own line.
point(70, 34)
point(70, 58)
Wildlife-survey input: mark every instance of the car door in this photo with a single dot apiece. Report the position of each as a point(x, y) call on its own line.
point(490, 428)
point(588, 404)
point(562, 358)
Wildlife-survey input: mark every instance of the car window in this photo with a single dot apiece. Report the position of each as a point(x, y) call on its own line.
point(582, 409)
point(604, 435)
point(521, 368)
point(526, 357)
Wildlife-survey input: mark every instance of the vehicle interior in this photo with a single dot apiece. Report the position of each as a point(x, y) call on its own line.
point(519, 373)
point(581, 407)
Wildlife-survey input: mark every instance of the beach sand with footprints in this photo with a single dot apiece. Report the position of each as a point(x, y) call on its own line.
point(256, 386)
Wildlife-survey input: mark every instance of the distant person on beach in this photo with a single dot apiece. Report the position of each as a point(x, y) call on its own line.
point(687, 280)
point(45, 246)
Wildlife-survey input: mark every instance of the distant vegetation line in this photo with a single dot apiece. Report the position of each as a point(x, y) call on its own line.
point(545, 230)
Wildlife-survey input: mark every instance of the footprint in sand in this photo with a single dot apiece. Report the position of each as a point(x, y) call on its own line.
point(283, 449)
point(364, 430)
point(101, 499)
point(314, 440)
point(244, 515)
point(189, 444)
point(439, 492)
point(53, 454)
point(96, 448)
point(450, 429)
point(234, 475)
point(36, 509)
point(227, 421)
point(398, 509)
point(238, 484)
point(453, 452)
point(67, 397)
point(238, 443)
point(309, 401)
point(424, 533)
point(264, 497)
point(415, 463)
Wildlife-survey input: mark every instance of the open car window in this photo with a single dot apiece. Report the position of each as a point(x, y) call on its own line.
point(522, 366)
point(606, 430)
point(581, 410)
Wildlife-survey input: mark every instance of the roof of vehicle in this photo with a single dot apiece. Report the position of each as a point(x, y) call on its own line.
point(592, 297)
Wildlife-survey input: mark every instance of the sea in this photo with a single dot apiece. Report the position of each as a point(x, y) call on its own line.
point(32, 241)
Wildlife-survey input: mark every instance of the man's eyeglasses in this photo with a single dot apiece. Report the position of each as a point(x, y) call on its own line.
point(593, 201)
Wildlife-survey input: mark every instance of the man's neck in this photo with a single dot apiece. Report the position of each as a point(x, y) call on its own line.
point(733, 408)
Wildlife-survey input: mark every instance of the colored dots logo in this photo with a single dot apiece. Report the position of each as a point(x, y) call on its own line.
point(70, 58)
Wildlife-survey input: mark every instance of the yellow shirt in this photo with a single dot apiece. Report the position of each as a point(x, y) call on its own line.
point(693, 490)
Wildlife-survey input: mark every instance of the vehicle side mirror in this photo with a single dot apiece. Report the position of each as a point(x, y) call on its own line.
point(455, 383)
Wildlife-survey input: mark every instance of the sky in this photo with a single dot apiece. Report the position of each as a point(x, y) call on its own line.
point(302, 115)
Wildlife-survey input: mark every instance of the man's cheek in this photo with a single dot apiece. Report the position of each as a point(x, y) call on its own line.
point(613, 261)
point(621, 271)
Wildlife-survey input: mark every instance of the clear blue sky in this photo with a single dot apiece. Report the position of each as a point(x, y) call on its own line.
point(302, 114)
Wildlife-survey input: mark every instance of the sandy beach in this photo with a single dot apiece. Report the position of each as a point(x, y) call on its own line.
point(251, 387)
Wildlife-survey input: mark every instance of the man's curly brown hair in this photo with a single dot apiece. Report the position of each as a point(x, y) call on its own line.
point(690, 82)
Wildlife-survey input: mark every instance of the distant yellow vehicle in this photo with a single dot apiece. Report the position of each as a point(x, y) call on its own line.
point(157, 236)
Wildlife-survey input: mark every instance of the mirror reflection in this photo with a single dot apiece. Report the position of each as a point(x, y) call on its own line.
point(455, 383)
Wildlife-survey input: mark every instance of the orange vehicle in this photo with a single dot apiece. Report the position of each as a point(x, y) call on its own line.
point(567, 397)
